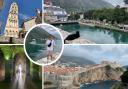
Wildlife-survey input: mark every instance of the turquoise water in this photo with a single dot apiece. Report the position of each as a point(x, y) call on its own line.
point(100, 85)
point(97, 35)
point(38, 51)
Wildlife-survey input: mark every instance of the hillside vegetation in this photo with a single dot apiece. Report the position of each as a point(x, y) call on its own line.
point(81, 5)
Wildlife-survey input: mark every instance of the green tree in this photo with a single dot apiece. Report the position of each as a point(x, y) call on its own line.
point(124, 77)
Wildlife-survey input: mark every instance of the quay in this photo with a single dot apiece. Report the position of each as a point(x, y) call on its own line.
point(107, 26)
point(64, 22)
point(76, 41)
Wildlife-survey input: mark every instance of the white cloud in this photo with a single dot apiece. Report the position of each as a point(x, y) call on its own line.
point(99, 53)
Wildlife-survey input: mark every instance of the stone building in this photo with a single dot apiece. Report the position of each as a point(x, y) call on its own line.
point(12, 24)
point(30, 22)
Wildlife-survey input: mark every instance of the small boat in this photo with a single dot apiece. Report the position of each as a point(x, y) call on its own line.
point(33, 41)
point(87, 83)
point(97, 81)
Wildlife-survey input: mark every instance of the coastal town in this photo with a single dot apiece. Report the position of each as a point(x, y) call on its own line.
point(60, 76)
point(61, 18)
point(102, 68)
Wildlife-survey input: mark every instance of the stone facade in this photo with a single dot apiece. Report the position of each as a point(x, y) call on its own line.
point(30, 22)
point(12, 24)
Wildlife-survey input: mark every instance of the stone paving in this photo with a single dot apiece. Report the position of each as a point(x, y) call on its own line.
point(76, 41)
point(45, 60)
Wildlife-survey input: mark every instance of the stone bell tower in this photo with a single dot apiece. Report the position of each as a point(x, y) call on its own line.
point(12, 24)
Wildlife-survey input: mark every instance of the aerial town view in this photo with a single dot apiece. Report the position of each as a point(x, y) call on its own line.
point(106, 20)
point(104, 69)
point(16, 18)
point(16, 71)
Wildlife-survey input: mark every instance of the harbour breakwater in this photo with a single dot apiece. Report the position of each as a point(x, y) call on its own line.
point(91, 74)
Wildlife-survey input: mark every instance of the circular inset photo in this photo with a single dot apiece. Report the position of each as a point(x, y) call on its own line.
point(43, 44)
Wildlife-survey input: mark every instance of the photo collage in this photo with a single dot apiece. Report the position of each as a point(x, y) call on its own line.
point(63, 44)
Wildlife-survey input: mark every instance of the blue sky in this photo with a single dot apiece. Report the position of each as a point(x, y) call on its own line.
point(27, 9)
point(98, 53)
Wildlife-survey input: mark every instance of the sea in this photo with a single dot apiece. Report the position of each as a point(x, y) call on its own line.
point(98, 85)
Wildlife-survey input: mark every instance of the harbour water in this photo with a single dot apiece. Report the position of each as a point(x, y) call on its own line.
point(99, 85)
point(97, 35)
point(38, 50)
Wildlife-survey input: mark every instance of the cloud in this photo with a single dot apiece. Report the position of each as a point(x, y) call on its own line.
point(98, 53)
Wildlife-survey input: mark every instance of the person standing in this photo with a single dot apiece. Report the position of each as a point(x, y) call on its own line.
point(50, 43)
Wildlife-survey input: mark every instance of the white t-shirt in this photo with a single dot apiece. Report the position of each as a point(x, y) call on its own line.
point(51, 48)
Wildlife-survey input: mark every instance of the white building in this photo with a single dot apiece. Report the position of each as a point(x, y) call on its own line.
point(54, 13)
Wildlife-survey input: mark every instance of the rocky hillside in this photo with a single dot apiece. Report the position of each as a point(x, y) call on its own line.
point(1, 3)
point(80, 5)
point(106, 72)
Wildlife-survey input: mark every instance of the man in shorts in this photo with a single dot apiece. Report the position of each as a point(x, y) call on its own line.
point(50, 43)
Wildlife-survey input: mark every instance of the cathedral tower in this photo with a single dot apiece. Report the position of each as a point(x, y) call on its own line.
point(12, 24)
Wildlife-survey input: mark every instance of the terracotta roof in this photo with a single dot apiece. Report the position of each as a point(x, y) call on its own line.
point(59, 70)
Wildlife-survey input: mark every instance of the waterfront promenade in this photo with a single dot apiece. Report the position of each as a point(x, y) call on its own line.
point(103, 24)
point(64, 22)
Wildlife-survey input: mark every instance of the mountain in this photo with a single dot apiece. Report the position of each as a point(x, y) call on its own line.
point(79, 61)
point(116, 2)
point(126, 1)
point(80, 5)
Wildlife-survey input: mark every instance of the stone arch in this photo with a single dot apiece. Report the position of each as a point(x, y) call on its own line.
point(19, 59)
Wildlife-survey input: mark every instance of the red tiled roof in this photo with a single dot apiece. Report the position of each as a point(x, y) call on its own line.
point(60, 70)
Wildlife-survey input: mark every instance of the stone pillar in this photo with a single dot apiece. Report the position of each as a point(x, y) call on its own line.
point(2, 66)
